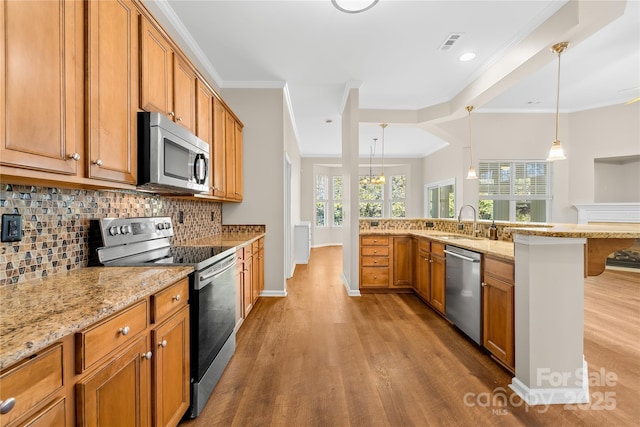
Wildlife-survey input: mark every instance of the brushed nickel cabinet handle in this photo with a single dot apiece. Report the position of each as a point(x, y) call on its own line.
point(146, 355)
point(176, 298)
point(163, 344)
point(124, 331)
point(98, 162)
point(74, 156)
point(7, 405)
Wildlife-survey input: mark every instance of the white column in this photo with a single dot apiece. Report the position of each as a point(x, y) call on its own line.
point(549, 320)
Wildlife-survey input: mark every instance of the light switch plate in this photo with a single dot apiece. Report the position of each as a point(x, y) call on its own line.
point(11, 227)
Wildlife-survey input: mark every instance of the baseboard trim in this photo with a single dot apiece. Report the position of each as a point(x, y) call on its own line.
point(350, 291)
point(273, 293)
point(553, 396)
point(325, 245)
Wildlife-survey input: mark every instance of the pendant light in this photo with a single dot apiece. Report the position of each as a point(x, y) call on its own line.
point(381, 178)
point(471, 174)
point(556, 152)
point(372, 151)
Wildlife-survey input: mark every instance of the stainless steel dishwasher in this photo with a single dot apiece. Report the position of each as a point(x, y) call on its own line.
point(463, 290)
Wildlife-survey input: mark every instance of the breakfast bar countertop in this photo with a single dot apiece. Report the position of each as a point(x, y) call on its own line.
point(37, 313)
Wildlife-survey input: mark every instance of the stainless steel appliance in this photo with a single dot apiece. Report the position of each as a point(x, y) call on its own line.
point(463, 290)
point(170, 158)
point(212, 297)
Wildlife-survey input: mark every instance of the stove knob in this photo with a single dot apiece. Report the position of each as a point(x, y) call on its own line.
point(167, 225)
point(160, 226)
point(114, 230)
point(125, 229)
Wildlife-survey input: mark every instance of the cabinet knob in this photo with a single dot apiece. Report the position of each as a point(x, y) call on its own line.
point(375, 277)
point(172, 114)
point(7, 405)
point(375, 262)
point(124, 331)
point(163, 344)
point(430, 260)
point(375, 251)
point(98, 162)
point(74, 156)
point(483, 284)
point(146, 355)
point(179, 119)
point(176, 298)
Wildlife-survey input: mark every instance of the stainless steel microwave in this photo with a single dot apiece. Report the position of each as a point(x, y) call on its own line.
point(171, 159)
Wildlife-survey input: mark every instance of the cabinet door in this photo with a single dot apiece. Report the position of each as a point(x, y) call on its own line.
point(204, 113)
point(402, 261)
point(497, 299)
point(112, 90)
point(156, 85)
point(53, 414)
point(423, 270)
point(218, 152)
point(239, 287)
point(239, 181)
point(117, 394)
point(41, 85)
point(247, 281)
point(261, 266)
point(438, 283)
point(171, 369)
point(230, 155)
point(184, 94)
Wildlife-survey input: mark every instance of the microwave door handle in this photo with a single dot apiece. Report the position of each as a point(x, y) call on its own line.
point(200, 168)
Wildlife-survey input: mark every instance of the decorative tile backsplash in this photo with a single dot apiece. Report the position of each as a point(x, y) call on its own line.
point(55, 224)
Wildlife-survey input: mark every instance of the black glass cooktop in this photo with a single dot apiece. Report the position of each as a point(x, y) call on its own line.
point(195, 254)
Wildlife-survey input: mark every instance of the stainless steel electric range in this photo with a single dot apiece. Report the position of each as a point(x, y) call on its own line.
point(212, 298)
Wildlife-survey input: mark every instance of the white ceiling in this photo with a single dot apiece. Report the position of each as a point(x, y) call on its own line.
point(391, 52)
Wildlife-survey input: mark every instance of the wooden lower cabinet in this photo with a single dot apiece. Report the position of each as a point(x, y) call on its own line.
point(118, 393)
point(375, 266)
point(498, 310)
point(422, 284)
point(53, 414)
point(171, 373)
point(402, 262)
point(438, 277)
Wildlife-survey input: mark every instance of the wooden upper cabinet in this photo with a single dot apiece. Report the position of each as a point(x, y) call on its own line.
point(184, 94)
point(204, 113)
point(41, 85)
point(231, 156)
point(156, 85)
point(239, 183)
point(217, 160)
point(112, 90)
point(168, 82)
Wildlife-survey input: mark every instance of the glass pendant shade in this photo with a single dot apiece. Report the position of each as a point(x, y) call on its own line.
point(471, 174)
point(556, 152)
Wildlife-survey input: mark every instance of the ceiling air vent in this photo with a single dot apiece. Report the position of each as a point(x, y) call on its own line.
point(453, 37)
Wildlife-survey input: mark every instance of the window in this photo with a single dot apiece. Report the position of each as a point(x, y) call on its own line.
point(517, 191)
point(337, 201)
point(321, 200)
point(371, 199)
point(328, 204)
point(440, 199)
point(398, 196)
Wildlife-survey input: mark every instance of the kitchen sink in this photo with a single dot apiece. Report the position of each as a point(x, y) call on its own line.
point(459, 237)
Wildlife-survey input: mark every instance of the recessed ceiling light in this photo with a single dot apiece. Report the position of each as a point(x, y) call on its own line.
point(353, 6)
point(467, 56)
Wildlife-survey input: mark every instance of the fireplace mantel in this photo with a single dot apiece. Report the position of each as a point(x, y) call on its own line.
point(608, 212)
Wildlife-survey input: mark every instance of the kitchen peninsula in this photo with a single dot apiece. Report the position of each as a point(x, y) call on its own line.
point(545, 299)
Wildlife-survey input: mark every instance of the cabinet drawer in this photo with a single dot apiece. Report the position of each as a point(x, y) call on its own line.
point(99, 340)
point(255, 247)
point(169, 300)
point(375, 277)
point(374, 261)
point(374, 240)
point(248, 251)
point(375, 251)
point(424, 245)
point(437, 248)
point(31, 382)
point(499, 268)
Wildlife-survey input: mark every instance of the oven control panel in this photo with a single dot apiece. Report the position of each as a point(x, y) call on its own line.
point(120, 231)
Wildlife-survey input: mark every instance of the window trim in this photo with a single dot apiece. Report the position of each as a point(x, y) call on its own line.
point(439, 184)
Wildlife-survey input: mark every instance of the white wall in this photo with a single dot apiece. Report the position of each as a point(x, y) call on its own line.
point(604, 132)
point(351, 226)
point(265, 140)
point(617, 182)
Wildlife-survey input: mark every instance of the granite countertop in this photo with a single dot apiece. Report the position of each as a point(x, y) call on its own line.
point(37, 313)
point(235, 239)
point(498, 248)
point(593, 231)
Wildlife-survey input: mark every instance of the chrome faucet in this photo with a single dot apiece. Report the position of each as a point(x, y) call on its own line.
point(474, 230)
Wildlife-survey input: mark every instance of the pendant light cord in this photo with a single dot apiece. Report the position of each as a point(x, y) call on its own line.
point(558, 97)
point(469, 108)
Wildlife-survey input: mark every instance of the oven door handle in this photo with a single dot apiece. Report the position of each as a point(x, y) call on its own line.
point(217, 273)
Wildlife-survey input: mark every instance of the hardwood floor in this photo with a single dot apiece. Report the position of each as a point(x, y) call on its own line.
point(321, 358)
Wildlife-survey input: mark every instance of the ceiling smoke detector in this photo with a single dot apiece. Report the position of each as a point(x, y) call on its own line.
point(450, 41)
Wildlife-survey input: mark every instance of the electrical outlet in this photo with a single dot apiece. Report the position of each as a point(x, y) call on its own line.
point(11, 228)
point(213, 216)
point(375, 223)
point(428, 224)
point(180, 217)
